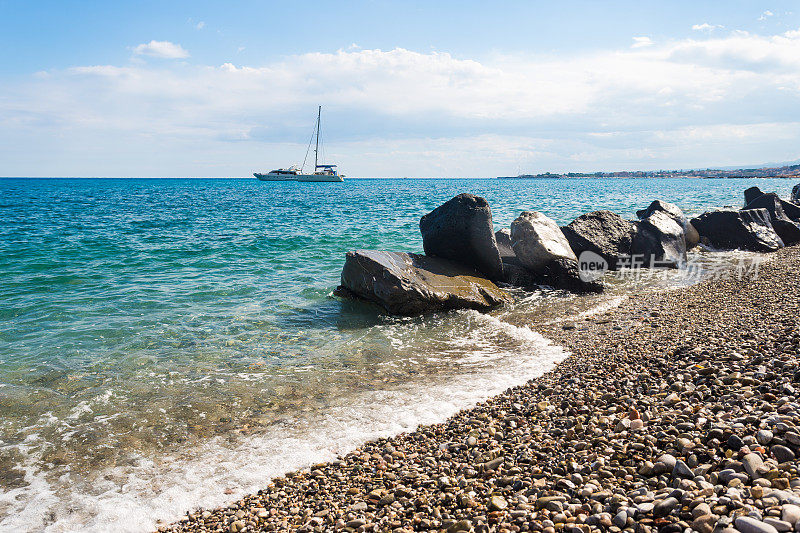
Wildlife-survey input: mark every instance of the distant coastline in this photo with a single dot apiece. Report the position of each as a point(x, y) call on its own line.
point(787, 171)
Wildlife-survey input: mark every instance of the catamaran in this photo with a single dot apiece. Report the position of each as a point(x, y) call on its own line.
point(322, 173)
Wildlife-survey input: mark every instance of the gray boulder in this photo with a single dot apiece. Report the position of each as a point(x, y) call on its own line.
point(411, 284)
point(692, 238)
point(542, 250)
point(605, 233)
point(787, 229)
point(729, 229)
point(796, 194)
point(516, 275)
point(536, 240)
point(660, 241)
point(461, 230)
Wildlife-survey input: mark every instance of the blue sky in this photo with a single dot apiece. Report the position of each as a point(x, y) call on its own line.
point(408, 89)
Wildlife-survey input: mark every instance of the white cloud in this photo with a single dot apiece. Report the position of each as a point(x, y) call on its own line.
point(200, 25)
point(776, 54)
point(640, 42)
point(706, 27)
point(766, 14)
point(162, 49)
point(697, 102)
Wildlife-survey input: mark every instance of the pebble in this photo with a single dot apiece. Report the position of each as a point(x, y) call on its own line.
point(747, 524)
point(764, 436)
point(620, 519)
point(701, 509)
point(752, 462)
point(497, 503)
point(682, 470)
point(665, 507)
point(735, 443)
point(780, 525)
point(704, 523)
point(461, 525)
point(782, 454)
point(790, 513)
point(668, 460)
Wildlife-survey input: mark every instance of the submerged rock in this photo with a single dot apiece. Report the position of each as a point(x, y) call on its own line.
point(542, 251)
point(692, 238)
point(461, 230)
point(605, 233)
point(787, 229)
point(660, 241)
point(729, 229)
point(410, 284)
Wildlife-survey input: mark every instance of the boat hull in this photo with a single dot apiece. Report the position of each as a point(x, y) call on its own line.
point(273, 177)
point(305, 178)
point(320, 178)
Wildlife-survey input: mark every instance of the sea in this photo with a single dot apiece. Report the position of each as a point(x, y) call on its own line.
point(170, 344)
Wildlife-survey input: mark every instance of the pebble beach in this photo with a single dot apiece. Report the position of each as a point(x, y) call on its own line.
point(676, 411)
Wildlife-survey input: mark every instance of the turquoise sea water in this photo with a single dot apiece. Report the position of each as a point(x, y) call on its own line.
point(167, 343)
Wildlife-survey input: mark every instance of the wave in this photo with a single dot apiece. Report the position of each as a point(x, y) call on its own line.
point(497, 355)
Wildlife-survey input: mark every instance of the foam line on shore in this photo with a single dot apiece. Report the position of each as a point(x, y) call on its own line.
point(163, 488)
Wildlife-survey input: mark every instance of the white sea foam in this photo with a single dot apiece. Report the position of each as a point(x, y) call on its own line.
point(502, 355)
point(601, 308)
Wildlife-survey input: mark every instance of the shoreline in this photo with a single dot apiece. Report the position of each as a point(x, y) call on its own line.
point(672, 411)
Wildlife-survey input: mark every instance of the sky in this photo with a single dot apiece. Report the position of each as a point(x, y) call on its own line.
point(449, 89)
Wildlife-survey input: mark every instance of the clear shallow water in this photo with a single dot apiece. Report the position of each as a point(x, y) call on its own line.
point(163, 342)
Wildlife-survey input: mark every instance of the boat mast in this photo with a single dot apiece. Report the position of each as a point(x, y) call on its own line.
point(316, 150)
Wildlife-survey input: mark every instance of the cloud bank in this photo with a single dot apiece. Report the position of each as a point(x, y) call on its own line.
point(694, 102)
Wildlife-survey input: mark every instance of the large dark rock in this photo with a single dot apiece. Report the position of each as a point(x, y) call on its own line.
point(751, 194)
point(411, 284)
point(559, 273)
point(461, 229)
point(676, 214)
point(787, 229)
point(659, 242)
point(602, 232)
point(791, 210)
point(542, 250)
point(515, 275)
point(728, 229)
point(795, 197)
point(564, 274)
